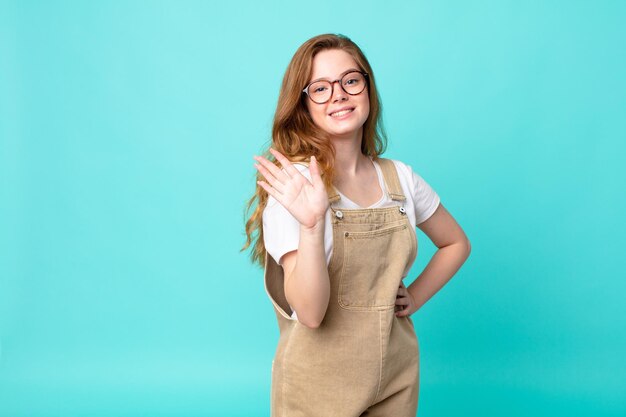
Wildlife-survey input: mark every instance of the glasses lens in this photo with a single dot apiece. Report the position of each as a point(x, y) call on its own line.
point(319, 91)
point(353, 82)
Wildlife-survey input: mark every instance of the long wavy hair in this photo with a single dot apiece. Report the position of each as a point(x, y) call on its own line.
point(296, 136)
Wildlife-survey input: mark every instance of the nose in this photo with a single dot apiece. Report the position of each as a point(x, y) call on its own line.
point(338, 93)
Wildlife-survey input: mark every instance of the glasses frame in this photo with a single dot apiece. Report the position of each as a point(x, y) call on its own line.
point(332, 86)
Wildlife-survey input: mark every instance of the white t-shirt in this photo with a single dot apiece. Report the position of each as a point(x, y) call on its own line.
point(281, 231)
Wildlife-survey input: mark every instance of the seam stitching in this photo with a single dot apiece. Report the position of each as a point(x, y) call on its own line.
point(380, 372)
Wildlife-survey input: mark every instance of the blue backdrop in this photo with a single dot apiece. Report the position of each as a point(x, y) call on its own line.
point(127, 131)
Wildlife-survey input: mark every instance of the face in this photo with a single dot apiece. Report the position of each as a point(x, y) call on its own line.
point(331, 116)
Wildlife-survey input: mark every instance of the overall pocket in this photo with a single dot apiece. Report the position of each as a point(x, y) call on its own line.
point(373, 264)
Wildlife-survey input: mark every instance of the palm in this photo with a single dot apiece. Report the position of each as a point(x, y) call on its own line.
point(307, 201)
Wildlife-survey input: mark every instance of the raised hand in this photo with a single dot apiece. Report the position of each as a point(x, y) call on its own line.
point(306, 200)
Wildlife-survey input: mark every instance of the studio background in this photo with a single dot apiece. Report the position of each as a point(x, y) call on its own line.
point(127, 131)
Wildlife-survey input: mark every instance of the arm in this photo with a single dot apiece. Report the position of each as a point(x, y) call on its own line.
point(453, 249)
point(307, 285)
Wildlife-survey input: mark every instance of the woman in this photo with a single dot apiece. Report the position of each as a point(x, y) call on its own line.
point(337, 235)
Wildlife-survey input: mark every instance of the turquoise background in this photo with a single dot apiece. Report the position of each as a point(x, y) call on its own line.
point(127, 131)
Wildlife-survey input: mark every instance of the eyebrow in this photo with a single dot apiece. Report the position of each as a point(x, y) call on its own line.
point(340, 75)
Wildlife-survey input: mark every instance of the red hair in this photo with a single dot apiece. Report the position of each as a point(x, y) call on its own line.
point(296, 136)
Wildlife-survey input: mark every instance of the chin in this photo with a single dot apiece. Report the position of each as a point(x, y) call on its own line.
point(341, 132)
point(344, 130)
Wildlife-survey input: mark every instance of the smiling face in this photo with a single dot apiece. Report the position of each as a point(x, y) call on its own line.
point(343, 115)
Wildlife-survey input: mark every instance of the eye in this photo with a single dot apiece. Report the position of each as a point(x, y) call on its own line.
point(318, 87)
point(352, 79)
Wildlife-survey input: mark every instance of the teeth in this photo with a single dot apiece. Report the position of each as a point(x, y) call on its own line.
point(340, 113)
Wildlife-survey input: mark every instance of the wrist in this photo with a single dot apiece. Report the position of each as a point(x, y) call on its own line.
point(316, 229)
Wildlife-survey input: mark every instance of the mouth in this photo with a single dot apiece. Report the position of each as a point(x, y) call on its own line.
point(341, 112)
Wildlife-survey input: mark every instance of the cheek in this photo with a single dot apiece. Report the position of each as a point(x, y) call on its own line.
point(317, 113)
point(364, 103)
point(366, 108)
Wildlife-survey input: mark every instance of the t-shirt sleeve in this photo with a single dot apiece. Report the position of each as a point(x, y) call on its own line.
point(281, 231)
point(425, 198)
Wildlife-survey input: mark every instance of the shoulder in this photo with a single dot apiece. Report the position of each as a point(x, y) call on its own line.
point(410, 178)
point(405, 172)
point(399, 164)
point(402, 167)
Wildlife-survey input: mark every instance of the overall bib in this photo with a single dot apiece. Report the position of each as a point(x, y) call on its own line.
point(362, 360)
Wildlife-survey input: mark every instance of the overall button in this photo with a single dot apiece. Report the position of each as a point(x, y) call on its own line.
point(339, 214)
point(402, 210)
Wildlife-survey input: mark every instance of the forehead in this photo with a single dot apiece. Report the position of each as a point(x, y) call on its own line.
point(331, 63)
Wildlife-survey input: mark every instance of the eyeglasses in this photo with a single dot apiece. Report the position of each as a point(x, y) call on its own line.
point(321, 91)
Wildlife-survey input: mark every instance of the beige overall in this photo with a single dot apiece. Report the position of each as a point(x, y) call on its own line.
point(362, 360)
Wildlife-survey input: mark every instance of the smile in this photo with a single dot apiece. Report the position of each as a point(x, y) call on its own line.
point(341, 113)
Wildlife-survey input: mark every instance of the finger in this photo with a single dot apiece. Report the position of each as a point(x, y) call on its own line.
point(271, 191)
point(314, 169)
point(403, 312)
point(279, 186)
point(278, 173)
point(291, 170)
point(404, 301)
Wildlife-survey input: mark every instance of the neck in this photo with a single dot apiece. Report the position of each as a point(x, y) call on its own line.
point(349, 161)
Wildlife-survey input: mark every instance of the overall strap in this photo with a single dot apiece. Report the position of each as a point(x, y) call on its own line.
point(390, 175)
point(333, 194)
